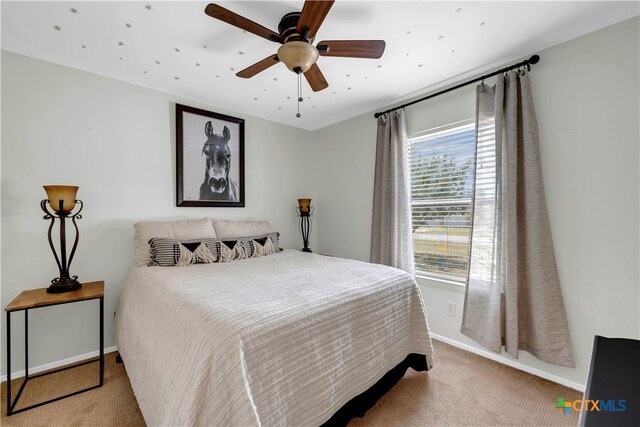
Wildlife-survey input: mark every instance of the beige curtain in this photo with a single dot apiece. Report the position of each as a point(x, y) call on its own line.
point(391, 242)
point(513, 295)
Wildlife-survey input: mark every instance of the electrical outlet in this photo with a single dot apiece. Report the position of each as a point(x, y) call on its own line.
point(451, 308)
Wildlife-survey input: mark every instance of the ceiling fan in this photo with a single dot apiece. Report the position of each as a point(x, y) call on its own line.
point(296, 33)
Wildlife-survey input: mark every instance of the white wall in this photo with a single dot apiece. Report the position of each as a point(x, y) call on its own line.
point(587, 100)
point(116, 141)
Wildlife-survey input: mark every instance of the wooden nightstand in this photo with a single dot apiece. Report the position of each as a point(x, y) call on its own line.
point(38, 298)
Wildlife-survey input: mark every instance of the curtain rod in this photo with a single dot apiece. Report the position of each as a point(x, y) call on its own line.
point(527, 62)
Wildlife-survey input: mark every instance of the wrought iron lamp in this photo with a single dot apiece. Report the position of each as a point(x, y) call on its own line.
point(305, 210)
point(62, 200)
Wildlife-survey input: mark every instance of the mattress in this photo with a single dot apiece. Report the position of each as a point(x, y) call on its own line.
point(285, 339)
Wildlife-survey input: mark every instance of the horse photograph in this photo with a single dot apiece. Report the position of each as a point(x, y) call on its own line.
point(210, 158)
point(217, 185)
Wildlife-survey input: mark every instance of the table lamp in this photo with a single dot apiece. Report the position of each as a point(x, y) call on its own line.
point(62, 200)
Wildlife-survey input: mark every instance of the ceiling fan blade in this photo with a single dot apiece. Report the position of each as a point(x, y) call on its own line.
point(236, 20)
point(312, 15)
point(258, 67)
point(352, 48)
point(315, 78)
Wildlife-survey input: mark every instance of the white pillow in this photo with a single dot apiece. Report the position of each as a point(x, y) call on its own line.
point(226, 228)
point(179, 229)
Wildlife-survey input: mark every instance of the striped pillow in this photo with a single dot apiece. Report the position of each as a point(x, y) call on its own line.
point(261, 241)
point(262, 247)
point(231, 250)
point(172, 252)
point(167, 252)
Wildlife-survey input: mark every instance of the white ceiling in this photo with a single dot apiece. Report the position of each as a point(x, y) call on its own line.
point(176, 48)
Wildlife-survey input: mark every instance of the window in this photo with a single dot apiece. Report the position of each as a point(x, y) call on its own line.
point(441, 190)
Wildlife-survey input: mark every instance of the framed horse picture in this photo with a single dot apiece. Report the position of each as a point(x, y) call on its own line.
point(210, 158)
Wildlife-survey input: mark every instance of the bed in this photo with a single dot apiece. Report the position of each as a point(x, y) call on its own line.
point(284, 339)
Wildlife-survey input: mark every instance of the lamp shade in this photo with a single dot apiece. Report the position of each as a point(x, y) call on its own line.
point(66, 193)
point(305, 206)
point(298, 56)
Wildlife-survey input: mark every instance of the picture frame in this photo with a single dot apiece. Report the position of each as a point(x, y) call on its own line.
point(209, 159)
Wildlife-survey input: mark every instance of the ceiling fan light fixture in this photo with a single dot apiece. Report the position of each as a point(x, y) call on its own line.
point(298, 56)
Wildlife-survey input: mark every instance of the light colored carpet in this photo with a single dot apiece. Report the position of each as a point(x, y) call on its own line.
point(462, 390)
point(113, 404)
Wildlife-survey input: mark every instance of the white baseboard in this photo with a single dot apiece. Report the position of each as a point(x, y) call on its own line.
point(57, 364)
point(512, 363)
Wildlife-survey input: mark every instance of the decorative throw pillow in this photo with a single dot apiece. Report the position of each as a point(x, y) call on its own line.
point(171, 252)
point(167, 252)
point(248, 247)
point(247, 242)
point(231, 250)
point(261, 240)
point(262, 247)
point(194, 253)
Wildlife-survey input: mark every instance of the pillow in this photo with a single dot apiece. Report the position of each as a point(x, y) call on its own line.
point(231, 250)
point(262, 247)
point(173, 252)
point(247, 247)
point(180, 229)
point(225, 228)
point(262, 241)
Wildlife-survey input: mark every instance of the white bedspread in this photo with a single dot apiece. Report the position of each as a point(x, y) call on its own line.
point(285, 339)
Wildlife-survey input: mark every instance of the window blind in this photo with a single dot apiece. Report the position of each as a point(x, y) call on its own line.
point(441, 190)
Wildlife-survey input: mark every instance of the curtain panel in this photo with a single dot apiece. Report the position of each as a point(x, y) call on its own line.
point(391, 238)
point(513, 296)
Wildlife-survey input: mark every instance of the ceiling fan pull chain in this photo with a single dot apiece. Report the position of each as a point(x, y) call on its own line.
point(299, 95)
